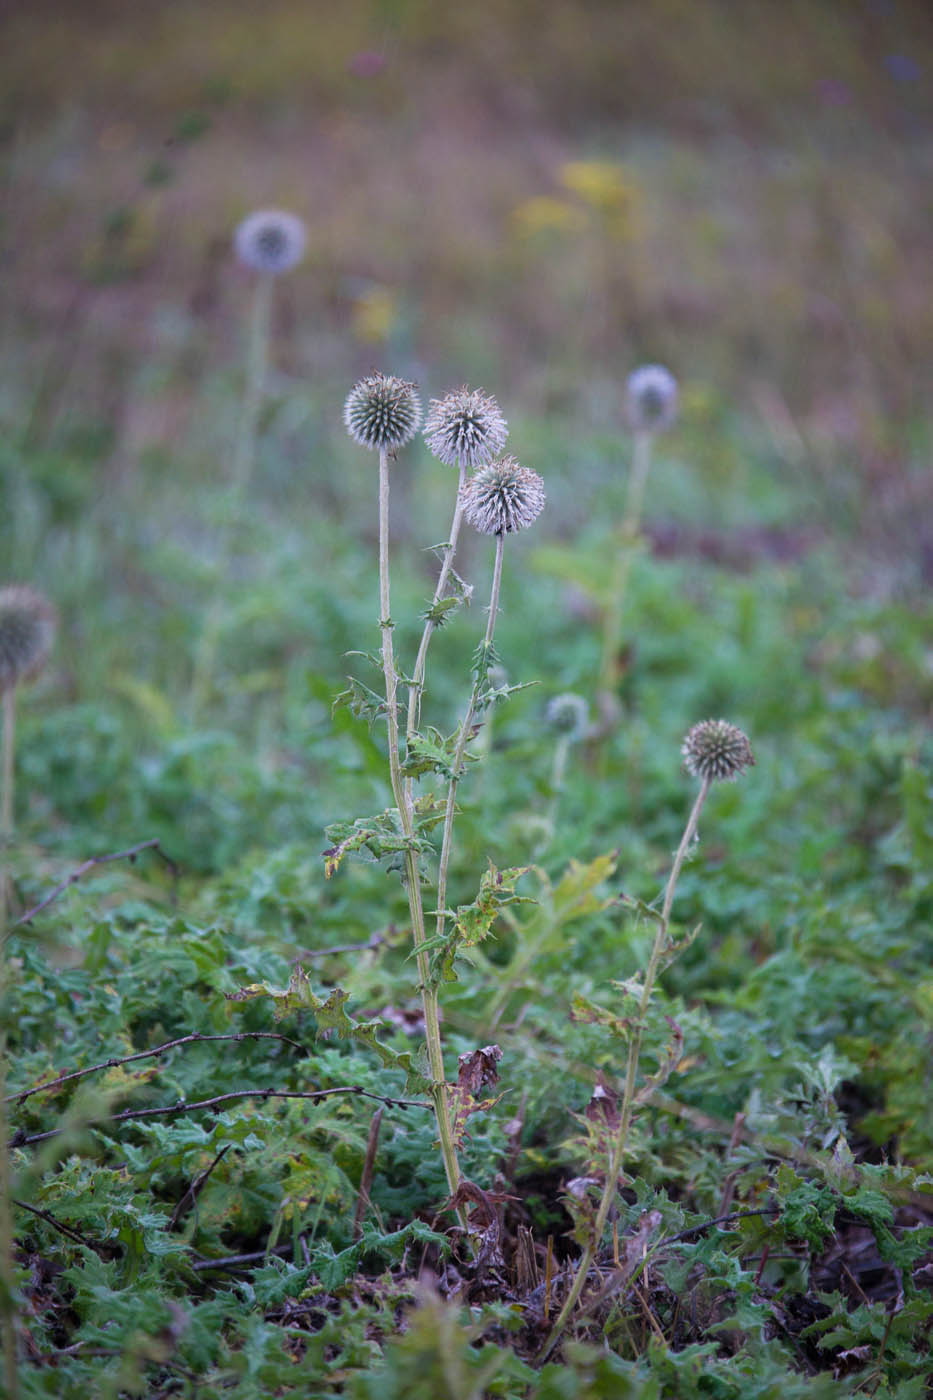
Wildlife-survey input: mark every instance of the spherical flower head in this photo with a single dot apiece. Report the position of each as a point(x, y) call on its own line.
point(382, 412)
point(271, 240)
point(27, 630)
point(651, 399)
point(717, 751)
point(465, 429)
point(503, 497)
point(568, 715)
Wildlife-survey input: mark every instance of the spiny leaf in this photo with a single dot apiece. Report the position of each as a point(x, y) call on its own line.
point(330, 1014)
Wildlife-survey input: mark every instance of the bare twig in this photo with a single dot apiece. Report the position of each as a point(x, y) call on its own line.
point(74, 1235)
point(197, 1186)
point(194, 1039)
point(151, 845)
point(21, 1139)
point(366, 1180)
point(376, 941)
point(236, 1261)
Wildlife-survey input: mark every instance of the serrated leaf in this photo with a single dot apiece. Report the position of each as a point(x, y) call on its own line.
point(330, 1014)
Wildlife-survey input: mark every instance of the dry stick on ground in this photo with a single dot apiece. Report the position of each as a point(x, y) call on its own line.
point(151, 845)
point(194, 1039)
point(21, 1139)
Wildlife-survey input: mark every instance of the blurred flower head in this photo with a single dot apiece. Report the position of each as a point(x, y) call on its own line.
point(568, 714)
point(382, 412)
point(717, 751)
point(503, 497)
point(271, 240)
point(465, 429)
point(28, 624)
point(651, 399)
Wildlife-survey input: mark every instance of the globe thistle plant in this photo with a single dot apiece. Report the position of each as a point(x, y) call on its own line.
point(382, 413)
point(713, 751)
point(567, 715)
point(503, 498)
point(717, 751)
point(27, 631)
point(28, 624)
point(270, 241)
point(651, 399)
point(650, 406)
point(465, 429)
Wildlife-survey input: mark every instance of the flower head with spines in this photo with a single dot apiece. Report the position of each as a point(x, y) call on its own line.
point(651, 399)
point(717, 751)
point(503, 497)
point(270, 240)
point(28, 623)
point(382, 412)
point(465, 428)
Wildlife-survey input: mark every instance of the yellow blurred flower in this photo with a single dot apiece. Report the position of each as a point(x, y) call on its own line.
point(544, 214)
point(373, 315)
point(601, 184)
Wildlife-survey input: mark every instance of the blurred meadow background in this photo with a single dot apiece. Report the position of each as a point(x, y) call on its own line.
point(534, 198)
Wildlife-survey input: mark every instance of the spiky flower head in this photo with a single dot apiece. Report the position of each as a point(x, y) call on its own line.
point(270, 240)
point(651, 399)
point(503, 497)
point(568, 715)
point(717, 750)
point(382, 412)
point(27, 630)
point(465, 429)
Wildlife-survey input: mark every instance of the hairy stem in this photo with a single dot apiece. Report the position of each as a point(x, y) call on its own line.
point(432, 1030)
point(617, 1154)
point(622, 563)
point(463, 738)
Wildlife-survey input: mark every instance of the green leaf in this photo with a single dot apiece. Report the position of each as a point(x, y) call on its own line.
point(330, 1014)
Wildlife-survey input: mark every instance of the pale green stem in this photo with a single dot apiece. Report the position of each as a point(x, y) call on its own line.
point(244, 456)
point(9, 738)
point(617, 1155)
point(8, 1327)
point(622, 562)
point(416, 689)
point(432, 1030)
point(463, 737)
point(561, 753)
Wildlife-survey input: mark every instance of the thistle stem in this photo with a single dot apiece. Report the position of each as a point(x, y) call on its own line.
point(403, 802)
point(244, 456)
point(7, 1259)
point(9, 737)
point(622, 562)
point(463, 739)
point(416, 689)
point(617, 1154)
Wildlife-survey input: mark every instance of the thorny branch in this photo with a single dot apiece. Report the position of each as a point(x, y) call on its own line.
point(116, 1060)
point(152, 844)
point(22, 1139)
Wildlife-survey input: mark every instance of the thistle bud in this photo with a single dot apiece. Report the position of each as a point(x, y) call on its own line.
point(382, 412)
point(270, 240)
point(717, 751)
point(465, 429)
point(503, 497)
point(651, 399)
point(27, 630)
